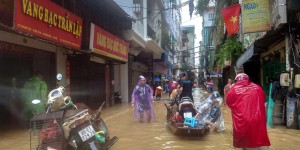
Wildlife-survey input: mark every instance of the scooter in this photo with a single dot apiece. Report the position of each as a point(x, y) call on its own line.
point(66, 125)
point(184, 123)
point(186, 108)
point(117, 98)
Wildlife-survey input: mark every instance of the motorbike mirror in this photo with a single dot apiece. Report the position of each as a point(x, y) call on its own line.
point(59, 76)
point(36, 101)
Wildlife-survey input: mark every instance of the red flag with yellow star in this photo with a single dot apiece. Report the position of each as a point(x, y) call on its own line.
point(231, 18)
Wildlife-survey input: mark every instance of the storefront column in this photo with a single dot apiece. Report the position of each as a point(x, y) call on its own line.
point(124, 82)
point(107, 85)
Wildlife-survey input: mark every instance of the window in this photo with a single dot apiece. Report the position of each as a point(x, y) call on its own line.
point(138, 8)
point(211, 16)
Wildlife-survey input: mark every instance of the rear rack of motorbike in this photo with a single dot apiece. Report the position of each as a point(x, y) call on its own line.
point(46, 131)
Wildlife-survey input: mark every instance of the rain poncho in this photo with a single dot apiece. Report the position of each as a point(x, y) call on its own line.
point(34, 88)
point(142, 100)
point(246, 101)
point(211, 112)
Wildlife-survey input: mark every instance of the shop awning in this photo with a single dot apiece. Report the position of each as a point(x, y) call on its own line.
point(260, 45)
point(245, 56)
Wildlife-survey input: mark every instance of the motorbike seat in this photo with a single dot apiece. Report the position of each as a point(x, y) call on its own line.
point(71, 114)
point(186, 102)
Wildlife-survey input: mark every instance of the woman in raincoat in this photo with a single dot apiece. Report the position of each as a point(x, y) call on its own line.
point(247, 103)
point(142, 101)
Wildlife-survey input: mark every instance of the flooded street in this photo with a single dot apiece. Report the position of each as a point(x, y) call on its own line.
point(156, 136)
point(152, 136)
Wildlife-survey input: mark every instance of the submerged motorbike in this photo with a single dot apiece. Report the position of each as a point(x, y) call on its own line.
point(186, 108)
point(184, 123)
point(66, 125)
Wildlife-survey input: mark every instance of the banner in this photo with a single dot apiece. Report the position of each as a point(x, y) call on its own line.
point(231, 18)
point(256, 15)
point(106, 44)
point(49, 21)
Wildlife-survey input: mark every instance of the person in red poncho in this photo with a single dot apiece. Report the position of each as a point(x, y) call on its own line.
point(247, 103)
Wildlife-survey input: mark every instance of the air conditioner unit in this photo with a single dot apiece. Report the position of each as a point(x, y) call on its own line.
point(285, 79)
point(278, 13)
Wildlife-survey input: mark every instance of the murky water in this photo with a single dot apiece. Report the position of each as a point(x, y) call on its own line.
point(156, 136)
point(153, 136)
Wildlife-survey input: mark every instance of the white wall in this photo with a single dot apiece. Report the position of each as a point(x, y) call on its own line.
point(154, 18)
point(124, 82)
point(61, 64)
point(191, 43)
point(206, 20)
point(117, 76)
point(139, 26)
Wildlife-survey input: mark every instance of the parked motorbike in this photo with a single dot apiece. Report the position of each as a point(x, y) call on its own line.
point(66, 125)
point(117, 98)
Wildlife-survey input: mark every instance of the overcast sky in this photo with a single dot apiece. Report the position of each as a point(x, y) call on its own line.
point(196, 20)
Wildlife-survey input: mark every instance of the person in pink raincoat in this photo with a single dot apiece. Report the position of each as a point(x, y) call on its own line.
point(142, 101)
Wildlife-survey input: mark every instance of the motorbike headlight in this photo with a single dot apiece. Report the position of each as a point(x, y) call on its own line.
point(55, 93)
point(53, 96)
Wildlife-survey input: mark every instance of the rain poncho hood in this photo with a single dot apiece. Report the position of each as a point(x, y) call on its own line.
point(246, 101)
point(142, 100)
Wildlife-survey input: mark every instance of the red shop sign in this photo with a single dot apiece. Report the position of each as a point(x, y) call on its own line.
point(104, 43)
point(49, 21)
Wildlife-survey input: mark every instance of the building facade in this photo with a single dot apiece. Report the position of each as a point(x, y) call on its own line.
point(67, 37)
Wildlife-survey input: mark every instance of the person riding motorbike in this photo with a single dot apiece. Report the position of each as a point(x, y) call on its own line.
point(185, 87)
point(209, 111)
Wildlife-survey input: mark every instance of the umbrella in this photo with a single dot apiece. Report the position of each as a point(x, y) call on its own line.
point(156, 79)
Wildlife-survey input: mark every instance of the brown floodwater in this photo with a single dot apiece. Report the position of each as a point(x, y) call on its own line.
point(156, 136)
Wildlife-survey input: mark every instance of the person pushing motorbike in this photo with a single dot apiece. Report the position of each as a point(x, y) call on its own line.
point(209, 111)
point(186, 86)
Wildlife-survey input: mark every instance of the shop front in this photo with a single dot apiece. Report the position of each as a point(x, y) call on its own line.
point(35, 41)
point(160, 71)
point(17, 65)
point(92, 75)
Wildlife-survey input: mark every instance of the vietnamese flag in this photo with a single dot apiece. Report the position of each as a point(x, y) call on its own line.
point(231, 18)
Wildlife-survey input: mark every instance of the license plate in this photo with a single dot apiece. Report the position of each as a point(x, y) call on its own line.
point(187, 114)
point(86, 133)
